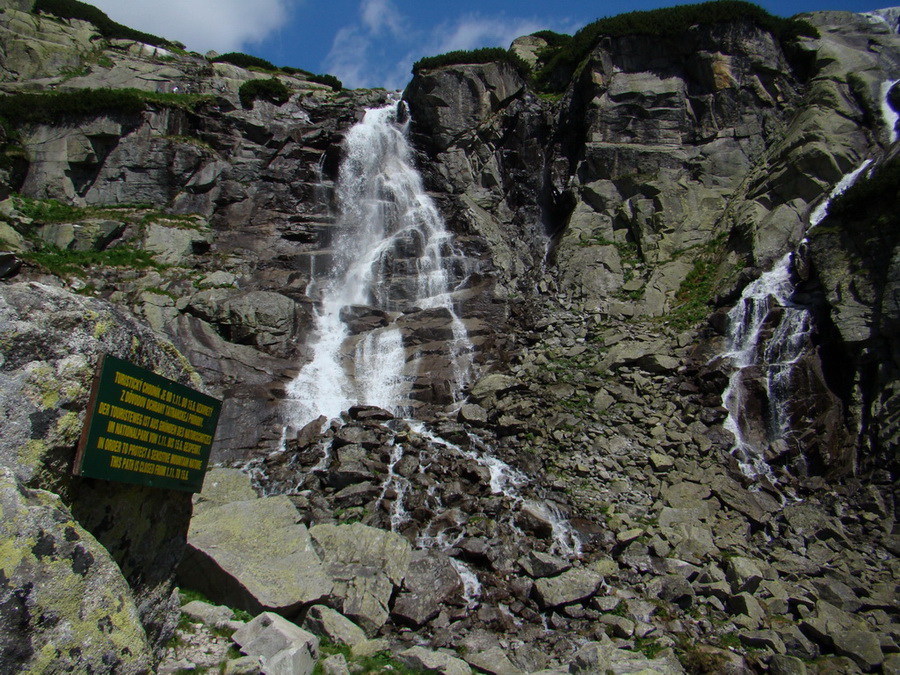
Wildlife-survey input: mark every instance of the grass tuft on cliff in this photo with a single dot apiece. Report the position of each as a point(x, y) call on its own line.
point(48, 108)
point(474, 56)
point(65, 263)
point(242, 60)
point(272, 90)
point(563, 59)
point(72, 9)
point(255, 63)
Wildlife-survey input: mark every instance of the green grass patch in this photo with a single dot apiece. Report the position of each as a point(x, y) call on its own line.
point(72, 9)
point(699, 287)
point(694, 294)
point(64, 263)
point(48, 210)
point(54, 211)
point(648, 646)
point(50, 107)
point(153, 290)
point(191, 140)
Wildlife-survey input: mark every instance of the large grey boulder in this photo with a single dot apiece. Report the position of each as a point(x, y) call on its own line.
point(173, 245)
point(431, 583)
point(454, 100)
point(575, 585)
point(333, 625)
point(366, 565)
point(254, 555)
point(65, 605)
point(52, 340)
point(429, 661)
point(283, 647)
point(597, 657)
point(223, 486)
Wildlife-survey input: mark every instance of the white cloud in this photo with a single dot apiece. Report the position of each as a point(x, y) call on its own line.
point(380, 16)
point(474, 32)
point(364, 53)
point(349, 57)
point(222, 25)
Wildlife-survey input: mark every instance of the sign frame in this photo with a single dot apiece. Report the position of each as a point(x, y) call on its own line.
point(145, 429)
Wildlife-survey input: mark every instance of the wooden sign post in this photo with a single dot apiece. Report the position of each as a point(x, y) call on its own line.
point(146, 429)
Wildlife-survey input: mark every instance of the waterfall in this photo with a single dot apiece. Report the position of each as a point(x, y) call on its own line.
point(767, 334)
point(888, 114)
point(758, 359)
point(392, 254)
point(819, 213)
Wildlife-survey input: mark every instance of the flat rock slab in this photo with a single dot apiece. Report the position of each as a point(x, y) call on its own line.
point(333, 625)
point(434, 662)
point(223, 486)
point(254, 555)
point(568, 588)
point(363, 545)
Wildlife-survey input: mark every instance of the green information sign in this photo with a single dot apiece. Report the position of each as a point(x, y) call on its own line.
point(146, 429)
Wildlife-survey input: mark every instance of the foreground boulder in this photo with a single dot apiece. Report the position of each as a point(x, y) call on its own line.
point(283, 647)
point(367, 565)
point(64, 606)
point(52, 340)
point(255, 555)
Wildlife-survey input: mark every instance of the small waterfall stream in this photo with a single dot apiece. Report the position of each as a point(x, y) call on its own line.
point(767, 334)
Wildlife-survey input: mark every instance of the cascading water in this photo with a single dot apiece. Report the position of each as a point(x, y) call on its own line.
point(391, 255)
point(393, 264)
point(767, 334)
point(888, 114)
point(767, 360)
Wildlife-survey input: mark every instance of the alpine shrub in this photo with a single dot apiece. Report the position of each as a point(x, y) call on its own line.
point(475, 56)
point(272, 90)
point(244, 61)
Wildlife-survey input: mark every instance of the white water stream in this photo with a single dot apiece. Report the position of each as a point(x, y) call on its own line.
point(390, 254)
point(761, 344)
point(888, 114)
point(748, 346)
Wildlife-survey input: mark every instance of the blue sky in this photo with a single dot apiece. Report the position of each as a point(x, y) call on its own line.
point(372, 43)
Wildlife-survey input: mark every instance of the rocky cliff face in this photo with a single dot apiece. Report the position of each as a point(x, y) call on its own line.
point(605, 232)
